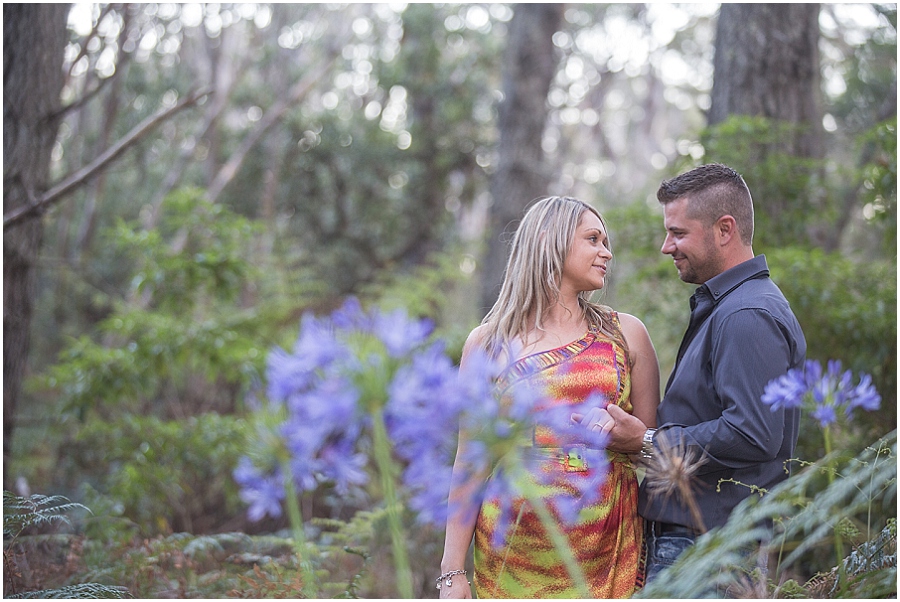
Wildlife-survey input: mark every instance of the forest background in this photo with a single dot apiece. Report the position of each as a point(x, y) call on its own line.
point(182, 182)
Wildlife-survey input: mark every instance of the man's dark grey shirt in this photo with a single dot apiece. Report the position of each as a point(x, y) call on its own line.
point(742, 334)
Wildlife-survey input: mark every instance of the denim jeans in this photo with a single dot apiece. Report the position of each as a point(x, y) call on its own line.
point(664, 549)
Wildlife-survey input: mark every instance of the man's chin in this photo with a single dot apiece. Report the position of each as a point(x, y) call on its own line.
point(688, 277)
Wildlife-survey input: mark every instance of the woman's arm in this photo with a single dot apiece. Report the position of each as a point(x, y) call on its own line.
point(644, 371)
point(460, 530)
point(462, 512)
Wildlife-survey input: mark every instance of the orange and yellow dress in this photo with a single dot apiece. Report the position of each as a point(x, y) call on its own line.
point(607, 540)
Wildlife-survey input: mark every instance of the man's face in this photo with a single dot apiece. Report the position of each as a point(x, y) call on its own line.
point(691, 244)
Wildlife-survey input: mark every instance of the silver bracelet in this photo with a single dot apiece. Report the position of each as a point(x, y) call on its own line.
point(448, 577)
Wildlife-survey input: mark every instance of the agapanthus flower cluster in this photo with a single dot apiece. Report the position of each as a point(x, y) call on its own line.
point(822, 392)
point(346, 369)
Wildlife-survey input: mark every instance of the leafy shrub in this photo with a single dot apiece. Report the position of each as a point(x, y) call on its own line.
point(182, 339)
point(848, 312)
point(163, 476)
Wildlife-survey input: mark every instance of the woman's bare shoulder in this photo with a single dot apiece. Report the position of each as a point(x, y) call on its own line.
point(634, 330)
point(477, 339)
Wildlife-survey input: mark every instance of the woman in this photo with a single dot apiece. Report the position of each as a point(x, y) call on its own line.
point(544, 328)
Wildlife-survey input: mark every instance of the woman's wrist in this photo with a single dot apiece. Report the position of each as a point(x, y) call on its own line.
point(446, 578)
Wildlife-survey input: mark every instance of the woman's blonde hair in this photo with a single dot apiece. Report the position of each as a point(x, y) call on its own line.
point(534, 273)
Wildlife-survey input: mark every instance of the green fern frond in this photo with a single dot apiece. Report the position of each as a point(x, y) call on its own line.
point(806, 517)
point(20, 513)
point(92, 591)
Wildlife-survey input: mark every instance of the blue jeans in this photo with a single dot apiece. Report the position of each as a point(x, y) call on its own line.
point(664, 549)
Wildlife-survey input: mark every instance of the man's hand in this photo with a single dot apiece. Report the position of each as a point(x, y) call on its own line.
point(625, 432)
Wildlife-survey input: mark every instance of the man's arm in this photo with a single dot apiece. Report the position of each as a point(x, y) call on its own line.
point(750, 349)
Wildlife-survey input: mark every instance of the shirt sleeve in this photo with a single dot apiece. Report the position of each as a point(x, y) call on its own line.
point(750, 349)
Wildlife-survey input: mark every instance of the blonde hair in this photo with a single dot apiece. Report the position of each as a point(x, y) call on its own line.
point(534, 273)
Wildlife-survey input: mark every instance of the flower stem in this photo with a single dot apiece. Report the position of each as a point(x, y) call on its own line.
point(382, 449)
point(296, 519)
point(838, 540)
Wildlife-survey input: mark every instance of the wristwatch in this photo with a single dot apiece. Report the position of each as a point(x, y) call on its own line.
point(647, 444)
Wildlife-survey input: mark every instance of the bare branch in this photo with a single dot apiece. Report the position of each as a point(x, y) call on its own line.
point(222, 94)
point(80, 177)
point(80, 102)
point(121, 59)
point(95, 32)
point(273, 116)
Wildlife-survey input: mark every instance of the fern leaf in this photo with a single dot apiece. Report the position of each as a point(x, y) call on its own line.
point(20, 513)
point(82, 590)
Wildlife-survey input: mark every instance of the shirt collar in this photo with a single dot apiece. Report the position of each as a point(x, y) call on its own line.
point(722, 284)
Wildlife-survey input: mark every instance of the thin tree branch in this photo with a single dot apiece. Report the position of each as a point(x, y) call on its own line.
point(229, 170)
point(83, 51)
point(222, 94)
point(80, 177)
point(80, 102)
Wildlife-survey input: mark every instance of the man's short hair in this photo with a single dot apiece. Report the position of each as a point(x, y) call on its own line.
point(712, 191)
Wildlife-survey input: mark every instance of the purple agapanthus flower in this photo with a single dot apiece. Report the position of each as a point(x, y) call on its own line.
point(263, 493)
point(822, 392)
point(863, 396)
point(350, 316)
point(399, 333)
point(426, 401)
point(786, 391)
point(824, 414)
point(324, 384)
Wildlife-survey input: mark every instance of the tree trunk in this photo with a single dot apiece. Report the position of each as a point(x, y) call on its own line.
point(767, 64)
point(34, 38)
point(522, 175)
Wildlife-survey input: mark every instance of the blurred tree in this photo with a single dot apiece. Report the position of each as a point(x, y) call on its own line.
point(521, 175)
point(32, 81)
point(767, 65)
point(376, 169)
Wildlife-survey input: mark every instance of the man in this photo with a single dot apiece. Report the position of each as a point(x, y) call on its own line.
point(742, 334)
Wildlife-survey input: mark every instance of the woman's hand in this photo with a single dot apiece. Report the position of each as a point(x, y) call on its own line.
point(460, 588)
point(597, 420)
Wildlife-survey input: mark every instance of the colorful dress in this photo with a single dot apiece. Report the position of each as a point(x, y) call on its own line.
point(607, 541)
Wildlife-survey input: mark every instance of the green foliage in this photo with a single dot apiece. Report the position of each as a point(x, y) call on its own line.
point(161, 475)
point(198, 253)
point(805, 511)
point(848, 311)
point(435, 289)
point(82, 590)
point(345, 555)
point(791, 202)
point(872, 566)
point(22, 513)
point(362, 192)
point(183, 341)
point(879, 186)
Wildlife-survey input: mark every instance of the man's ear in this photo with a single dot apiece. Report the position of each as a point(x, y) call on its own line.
point(725, 230)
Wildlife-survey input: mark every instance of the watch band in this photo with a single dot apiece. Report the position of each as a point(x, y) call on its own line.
point(647, 444)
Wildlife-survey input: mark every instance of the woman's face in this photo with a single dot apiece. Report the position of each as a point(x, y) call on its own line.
point(588, 259)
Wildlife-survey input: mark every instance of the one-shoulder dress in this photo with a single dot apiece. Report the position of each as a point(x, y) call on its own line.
point(607, 540)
